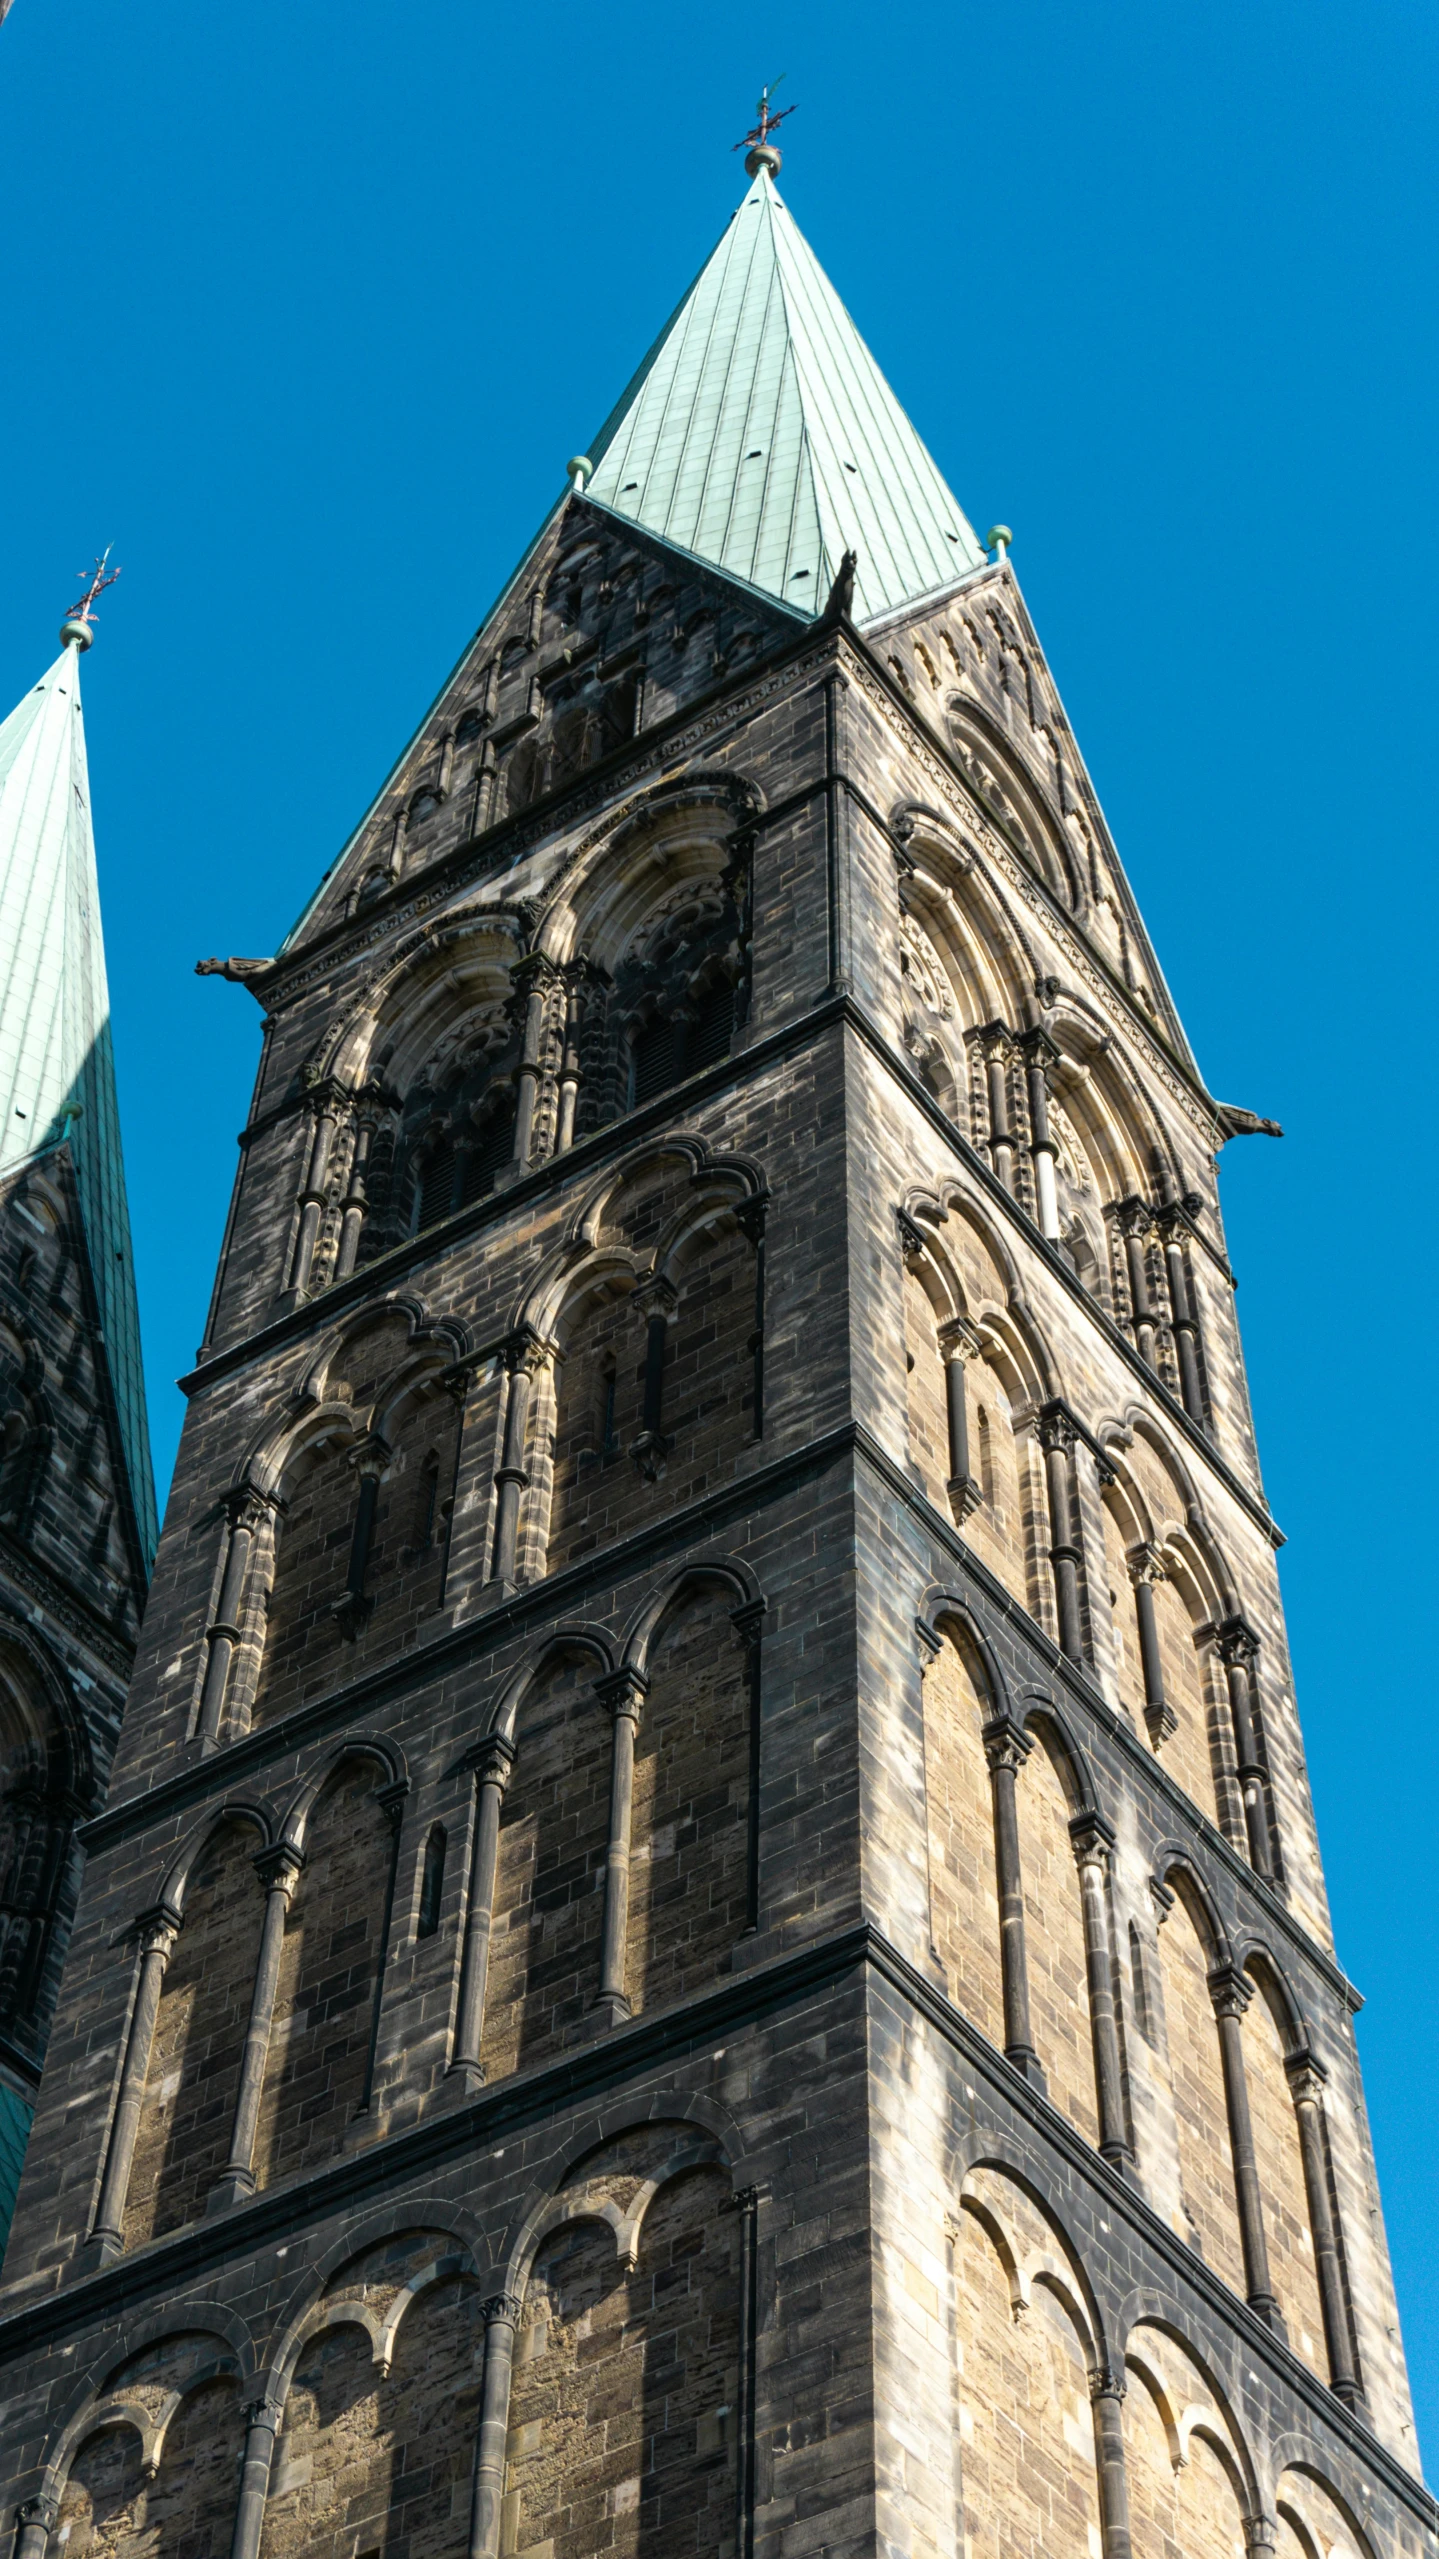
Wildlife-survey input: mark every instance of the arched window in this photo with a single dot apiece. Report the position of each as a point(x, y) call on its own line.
point(624, 2400)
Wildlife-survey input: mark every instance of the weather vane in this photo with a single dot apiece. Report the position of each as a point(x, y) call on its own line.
point(78, 621)
point(760, 152)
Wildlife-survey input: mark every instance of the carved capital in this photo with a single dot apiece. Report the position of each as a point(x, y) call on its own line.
point(654, 1295)
point(1006, 1745)
point(492, 1759)
point(263, 2414)
point(157, 1928)
point(1146, 1564)
point(279, 1867)
point(1174, 1219)
point(995, 1042)
point(1057, 1429)
point(1306, 2075)
point(959, 1339)
point(535, 974)
point(1229, 1990)
point(1238, 1643)
point(245, 1506)
point(527, 1351)
point(1093, 1838)
point(370, 1457)
point(1107, 2381)
point(1132, 1216)
point(1038, 1049)
point(505, 2307)
point(624, 1690)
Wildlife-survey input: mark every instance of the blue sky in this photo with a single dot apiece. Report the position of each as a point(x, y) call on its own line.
point(305, 310)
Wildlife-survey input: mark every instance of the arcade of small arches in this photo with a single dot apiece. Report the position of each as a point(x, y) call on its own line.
point(493, 1042)
point(1099, 1534)
point(594, 2383)
point(595, 1854)
point(1181, 2059)
point(629, 1382)
point(592, 1855)
point(1031, 1076)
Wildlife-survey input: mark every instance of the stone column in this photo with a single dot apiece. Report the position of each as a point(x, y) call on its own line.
point(391, 1800)
point(159, 1929)
point(1040, 1055)
point(1239, 1651)
point(533, 977)
point(523, 1354)
point(493, 1762)
point(623, 1692)
point(263, 2421)
point(278, 1869)
point(352, 1217)
point(1057, 1435)
point(1106, 2398)
point(1306, 2086)
point(750, 1219)
point(576, 978)
point(1006, 1749)
point(502, 2317)
point(1134, 1217)
point(35, 2522)
point(997, 1048)
point(959, 1343)
point(1230, 1994)
point(1172, 1223)
point(245, 1510)
point(1093, 1840)
point(746, 2202)
point(655, 1300)
point(1146, 1568)
point(1261, 2536)
point(747, 1621)
point(325, 1106)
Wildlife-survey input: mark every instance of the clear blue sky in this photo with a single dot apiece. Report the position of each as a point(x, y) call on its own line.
point(306, 308)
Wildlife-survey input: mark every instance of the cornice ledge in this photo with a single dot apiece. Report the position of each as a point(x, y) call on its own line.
point(473, 1636)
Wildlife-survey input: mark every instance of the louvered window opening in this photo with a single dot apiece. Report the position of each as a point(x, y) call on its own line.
point(669, 1051)
point(452, 1176)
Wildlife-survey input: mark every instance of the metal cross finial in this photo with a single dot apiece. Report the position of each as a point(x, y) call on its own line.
point(83, 612)
point(762, 153)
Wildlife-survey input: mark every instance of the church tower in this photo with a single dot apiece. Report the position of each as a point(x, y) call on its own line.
point(77, 1503)
point(709, 1941)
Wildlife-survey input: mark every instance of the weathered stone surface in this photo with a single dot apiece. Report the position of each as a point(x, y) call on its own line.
point(667, 1793)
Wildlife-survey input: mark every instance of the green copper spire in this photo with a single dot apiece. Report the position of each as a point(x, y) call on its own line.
point(57, 1069)
point(760, 434)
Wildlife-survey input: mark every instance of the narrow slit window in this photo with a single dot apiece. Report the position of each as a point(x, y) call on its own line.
point(432, 1883)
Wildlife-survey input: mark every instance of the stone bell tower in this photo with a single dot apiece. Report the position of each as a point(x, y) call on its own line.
point(709, 1937)
point(77, 1502)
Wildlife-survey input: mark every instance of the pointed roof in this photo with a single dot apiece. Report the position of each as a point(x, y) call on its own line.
point(760, 434)
point(57, 1067)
